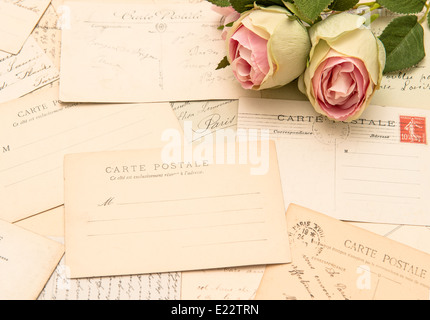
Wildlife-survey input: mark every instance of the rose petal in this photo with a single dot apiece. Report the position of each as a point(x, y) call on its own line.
point(281, 64)
point(224, 11)
point(340, 85)
point(249, 54)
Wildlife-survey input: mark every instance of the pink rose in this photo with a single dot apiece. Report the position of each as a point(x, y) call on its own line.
point(345, 68)
point(249, 60)
point(340, 86)
point(267, 49)
point(229, 16)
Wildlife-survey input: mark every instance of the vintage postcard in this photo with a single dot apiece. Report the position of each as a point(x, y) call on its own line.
point(160, 286)
point(417, 237)
point(36, 132)
point(203, 118)
point(242, 283)
point(49, 224)
point(333, 260)
point(25, 72)
point(17, 20)
point(120, 67)
point(373, 169)
point(27, 261)
point(222, 284)
point(47, 34)
point(157, 214)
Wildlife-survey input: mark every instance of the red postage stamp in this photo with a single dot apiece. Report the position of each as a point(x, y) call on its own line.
point(413, 130)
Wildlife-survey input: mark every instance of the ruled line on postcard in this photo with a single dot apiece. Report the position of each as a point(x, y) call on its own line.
point(403, 202)
point(191, 199)
point(32, 177)
point(74, 128)
point(382, 195)
point(224, 243)
point(381, 168)
point(383, 154)
point(177, 215)
point(175, 229)
point(382, 181)
point(58, 168)
point(71, 146)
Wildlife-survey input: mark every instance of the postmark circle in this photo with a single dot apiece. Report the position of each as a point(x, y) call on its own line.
point(161, 27)
point(308, 236)
point(330, 132)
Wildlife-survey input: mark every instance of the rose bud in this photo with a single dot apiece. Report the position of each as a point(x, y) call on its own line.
point(267, 48)
point(345, 67)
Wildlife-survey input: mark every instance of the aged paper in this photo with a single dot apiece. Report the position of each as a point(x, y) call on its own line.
point(373, 169)
point(333, 260)
point(134, 287)
point(17, 20)
point(48, 224)
point(27, 260)
point(417, 237)
point(242, 283)
point(47, 34)
point(120, 67)
point(25, 72)
point(223, 284)
point(153, 214)
point(203, 118)
point(36, 132)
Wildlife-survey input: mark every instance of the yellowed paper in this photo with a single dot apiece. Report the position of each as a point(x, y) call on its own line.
point(333, 260)
point(57, 4)
point(36, 132)
point(27, 260)
point(374, 169)
point(140, 212)
point(203, 118)
point(25, 72)
point(166, 286)
point(222, 284)
point(47, 34)
point(17, 20)
point(242, 283)
point(48, 224)
point(128, 54)
point(417, 237)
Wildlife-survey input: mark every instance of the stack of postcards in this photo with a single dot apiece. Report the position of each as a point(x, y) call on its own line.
point(132, 168)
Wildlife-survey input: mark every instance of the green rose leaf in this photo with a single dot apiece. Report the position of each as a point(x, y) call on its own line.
point(220, 3)
point(223, 64)
point(242, 5)
point(343, 5)
point(403, 40)
point(312, 9)
point(403, 6)
point(267, 3)
point(294, 10)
